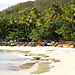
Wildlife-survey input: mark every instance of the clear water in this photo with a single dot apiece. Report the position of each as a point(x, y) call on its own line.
point(9, 56)
point(8, 60)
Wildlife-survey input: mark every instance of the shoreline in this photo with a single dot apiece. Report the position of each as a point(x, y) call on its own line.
point(62, 61)
point(25, 48)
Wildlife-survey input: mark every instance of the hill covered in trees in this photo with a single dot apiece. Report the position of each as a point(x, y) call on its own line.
point(39, 20)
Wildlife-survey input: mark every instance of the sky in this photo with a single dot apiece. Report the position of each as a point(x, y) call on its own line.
point(7, 3)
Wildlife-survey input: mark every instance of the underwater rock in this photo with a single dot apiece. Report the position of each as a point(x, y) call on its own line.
point(24, 66)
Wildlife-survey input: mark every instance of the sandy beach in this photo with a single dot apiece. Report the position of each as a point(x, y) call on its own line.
point(53, 61)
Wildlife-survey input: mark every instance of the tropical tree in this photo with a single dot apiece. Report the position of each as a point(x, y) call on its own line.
point(4, 28)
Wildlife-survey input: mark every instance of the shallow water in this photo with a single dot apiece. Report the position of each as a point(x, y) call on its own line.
point(8, 60)
point(15, 60)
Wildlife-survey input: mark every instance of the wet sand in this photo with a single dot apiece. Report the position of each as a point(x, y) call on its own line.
point(53, 61)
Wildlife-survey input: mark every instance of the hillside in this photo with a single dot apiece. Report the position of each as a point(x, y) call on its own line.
point(39, 20)
point(26, 6)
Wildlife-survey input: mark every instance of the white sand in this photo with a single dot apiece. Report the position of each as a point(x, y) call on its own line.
point(66, 66)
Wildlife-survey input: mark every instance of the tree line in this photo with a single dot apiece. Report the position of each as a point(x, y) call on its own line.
point(39, 22)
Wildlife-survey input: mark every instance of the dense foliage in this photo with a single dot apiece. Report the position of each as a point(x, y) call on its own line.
point(39, 20)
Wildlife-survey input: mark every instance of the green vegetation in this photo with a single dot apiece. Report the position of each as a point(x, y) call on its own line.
point(39, 20)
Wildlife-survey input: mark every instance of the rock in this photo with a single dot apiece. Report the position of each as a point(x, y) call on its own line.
point(36, 58)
